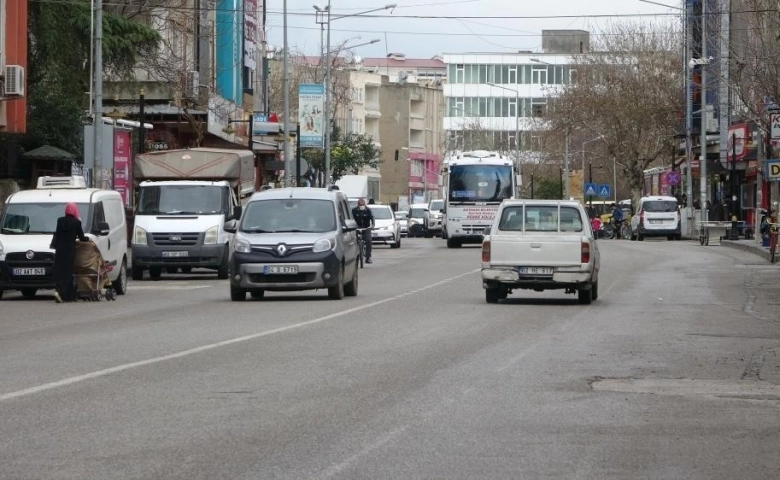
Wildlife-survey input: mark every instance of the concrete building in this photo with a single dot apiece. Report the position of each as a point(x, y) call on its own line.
point(397, 68)
point(13, 66)
point(412, 142)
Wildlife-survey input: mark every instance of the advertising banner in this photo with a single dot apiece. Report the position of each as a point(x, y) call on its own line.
point(311, 100)
point(122, 164)
point(736, 146)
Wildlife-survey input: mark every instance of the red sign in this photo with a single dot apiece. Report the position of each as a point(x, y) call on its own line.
point(122, 164)
point(737, 142)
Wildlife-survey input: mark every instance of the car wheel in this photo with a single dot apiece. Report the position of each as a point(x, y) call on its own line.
point(351, 289)
point(396, 243)
point(1, 294)
point(639, 236)
point(120, 284)
point(224, 268)
point(155, 273)
point(585, 296)
point(138, 273)
point(29, 292)
point(259, 293)
point(337, 292)
point(237, 294)
point(594, 290)
point(492, 295)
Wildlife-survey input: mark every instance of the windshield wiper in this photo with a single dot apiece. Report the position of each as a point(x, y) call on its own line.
point(256, 230)
point(292, 230)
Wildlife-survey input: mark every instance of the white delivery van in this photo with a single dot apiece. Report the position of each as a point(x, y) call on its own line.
point(30, 218)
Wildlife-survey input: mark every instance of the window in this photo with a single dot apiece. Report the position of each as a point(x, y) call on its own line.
point(513, 74)
point(98, 216)
point(417, 168)
point(539, 75)
point(472, 74)
point(289, 215)
point(483, 69)
point(513, 112)
point(459, 73)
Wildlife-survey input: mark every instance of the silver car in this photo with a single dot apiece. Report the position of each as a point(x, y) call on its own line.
point(432, 222)
point(387, 230)
point(403, 221)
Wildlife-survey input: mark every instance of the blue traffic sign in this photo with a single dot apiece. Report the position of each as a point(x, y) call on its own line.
point(673, 178)
point(605, 190)
point(590, 189)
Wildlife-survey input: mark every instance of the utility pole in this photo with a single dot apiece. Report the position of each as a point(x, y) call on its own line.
point(286, 123)
point(703, 91)
point(566, 168)
point(97, 177)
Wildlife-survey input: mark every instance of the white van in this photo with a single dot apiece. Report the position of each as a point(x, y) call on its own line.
point(656, 216)
point(30, 218)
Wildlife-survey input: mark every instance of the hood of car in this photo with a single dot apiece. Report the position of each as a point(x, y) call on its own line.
point(385, 222)
point(291, 238)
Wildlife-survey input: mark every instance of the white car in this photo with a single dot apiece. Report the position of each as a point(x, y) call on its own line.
point(402, 217)
point(656, 216)
point(432, 217)
point(387, 230)
point(540, 245)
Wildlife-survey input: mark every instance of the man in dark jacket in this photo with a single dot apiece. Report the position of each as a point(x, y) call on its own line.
point(64, 245)
point(365, 220)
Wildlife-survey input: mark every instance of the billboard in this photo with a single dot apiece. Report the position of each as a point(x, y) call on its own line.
point(122, 148)
point(311, 98)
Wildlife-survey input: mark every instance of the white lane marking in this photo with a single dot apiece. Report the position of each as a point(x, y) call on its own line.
point(185, 353)
point(340, 467)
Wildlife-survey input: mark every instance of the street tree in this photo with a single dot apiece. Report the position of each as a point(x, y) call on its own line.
point(350, 153)
point(626, 91)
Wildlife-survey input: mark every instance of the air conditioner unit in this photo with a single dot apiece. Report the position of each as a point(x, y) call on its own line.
point(14, 81)
point(62, 182)
point(192, 85)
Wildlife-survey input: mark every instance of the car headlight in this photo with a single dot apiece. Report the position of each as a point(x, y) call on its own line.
point(139, 236)
point(323, 245)
point(242, 246)
point(211, 235)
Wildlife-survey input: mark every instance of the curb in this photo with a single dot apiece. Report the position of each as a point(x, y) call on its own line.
point(747, 247)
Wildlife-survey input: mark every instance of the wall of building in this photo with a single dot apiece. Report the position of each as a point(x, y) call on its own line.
point(565, 41)
point(13, 111)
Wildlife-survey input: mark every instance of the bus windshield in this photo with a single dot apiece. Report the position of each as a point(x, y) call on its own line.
point(480, 183)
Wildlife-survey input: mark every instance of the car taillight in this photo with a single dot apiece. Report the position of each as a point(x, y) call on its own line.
point(584, 253)
point(642, 216)
point(486, 251)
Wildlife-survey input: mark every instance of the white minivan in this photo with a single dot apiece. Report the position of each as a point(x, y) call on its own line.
point(656, 216)
point(29, 220)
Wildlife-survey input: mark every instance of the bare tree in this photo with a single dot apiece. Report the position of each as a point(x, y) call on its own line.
point(628, 92)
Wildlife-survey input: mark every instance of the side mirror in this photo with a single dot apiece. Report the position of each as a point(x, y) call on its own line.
point(102, 229)
point(349, 225)
point(231, 226)
point(237, 212)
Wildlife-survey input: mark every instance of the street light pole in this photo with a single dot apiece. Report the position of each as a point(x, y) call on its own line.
point(286, 121)
point(326, 126)
point(517, 123)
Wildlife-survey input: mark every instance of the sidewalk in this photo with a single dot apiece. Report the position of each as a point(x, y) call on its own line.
point(748, 246)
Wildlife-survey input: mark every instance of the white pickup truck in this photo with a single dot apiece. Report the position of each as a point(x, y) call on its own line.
point(540, 245)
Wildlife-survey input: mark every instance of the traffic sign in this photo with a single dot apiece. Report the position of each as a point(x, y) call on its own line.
point(673, 178)
point(773, 169)
point(604, 190)
point(590, 189)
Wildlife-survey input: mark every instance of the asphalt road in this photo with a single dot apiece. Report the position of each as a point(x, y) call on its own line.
point(672, 373)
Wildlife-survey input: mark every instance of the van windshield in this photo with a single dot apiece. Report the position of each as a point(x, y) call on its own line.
point(37, 218)
point(181, 200)
point(289, 215)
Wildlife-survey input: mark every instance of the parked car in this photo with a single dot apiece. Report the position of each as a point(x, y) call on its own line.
point(416, 219)
point(433, 218)
point(386, 227)
point(657, 216)
point(540, 245)
point(403, 216)
point(294, 239)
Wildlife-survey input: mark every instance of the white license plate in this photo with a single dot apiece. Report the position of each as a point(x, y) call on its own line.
point(536, 270)
point(29, 271)
point(175, 254)
point(280, 269)
point(656, 221)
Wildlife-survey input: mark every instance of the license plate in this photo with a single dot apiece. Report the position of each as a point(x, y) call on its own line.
point(280, 269)
point(176, 254)
point(656, 221)
point(29, 271)
point(536, 270)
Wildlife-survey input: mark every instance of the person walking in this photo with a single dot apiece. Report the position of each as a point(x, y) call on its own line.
point(64, 245)
point(365, 220)
point(617, 219)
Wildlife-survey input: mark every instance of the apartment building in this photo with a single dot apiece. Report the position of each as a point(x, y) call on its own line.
point(398, 68)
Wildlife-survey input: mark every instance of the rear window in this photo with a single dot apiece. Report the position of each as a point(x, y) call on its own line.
point(540, 218)
point(416, 213)
point(382, 213)
point(659, 206)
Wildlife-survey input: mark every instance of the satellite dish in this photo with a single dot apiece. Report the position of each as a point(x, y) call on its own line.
point(402, 77)
point(357, 59)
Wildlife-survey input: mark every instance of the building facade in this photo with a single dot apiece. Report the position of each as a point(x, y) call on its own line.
point(13, 66)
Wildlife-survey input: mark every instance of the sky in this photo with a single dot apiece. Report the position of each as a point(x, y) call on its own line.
point(463, 31)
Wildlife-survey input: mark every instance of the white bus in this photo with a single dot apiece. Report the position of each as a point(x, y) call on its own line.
point(475, 183)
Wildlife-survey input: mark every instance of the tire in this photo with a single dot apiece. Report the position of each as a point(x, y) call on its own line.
point(337, 292)
point(453, 243)
point(585, 297)
point(639, 236)
point(223, 272)
point(237, 294)
point(670, 238)
point(625, 232)
point(138, 273)
point(1, 294)
point(351, 289)
point(594, 290)
point(492, 295)
point(259, 293)
point(29, 292)
point(397, 243)
point(120, 284)
point(155, 273)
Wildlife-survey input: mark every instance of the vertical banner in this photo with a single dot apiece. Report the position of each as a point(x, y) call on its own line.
point(250, 34)
point(774, 135)
point(122, 164)
point(311, 100)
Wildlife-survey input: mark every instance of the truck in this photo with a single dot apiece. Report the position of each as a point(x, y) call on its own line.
point(183, 199)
